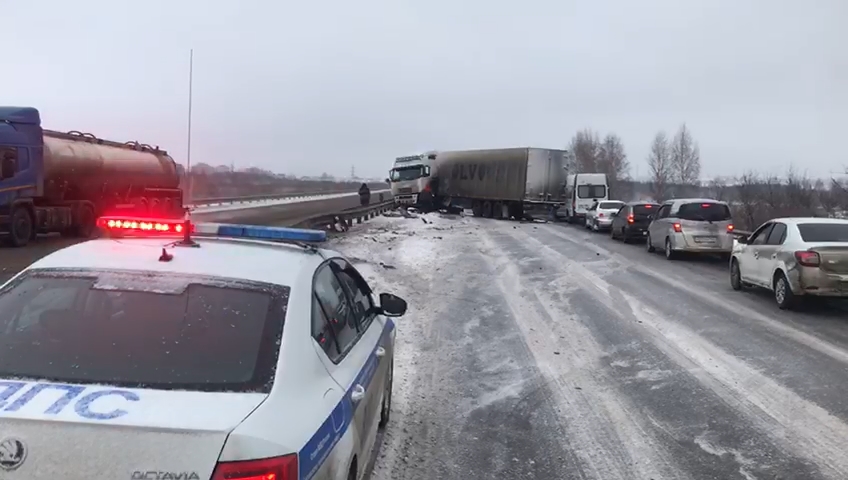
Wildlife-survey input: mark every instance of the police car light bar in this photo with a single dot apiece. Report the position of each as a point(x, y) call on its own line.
point(141, 226)
point(260, 232)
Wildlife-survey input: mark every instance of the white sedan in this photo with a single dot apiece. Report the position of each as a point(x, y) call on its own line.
point(794, 257)
point(600, 215)
point(247, 354)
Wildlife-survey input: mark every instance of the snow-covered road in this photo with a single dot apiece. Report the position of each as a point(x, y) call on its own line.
point(542, 351)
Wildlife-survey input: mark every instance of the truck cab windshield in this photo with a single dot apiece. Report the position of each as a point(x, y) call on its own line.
point(407, 173)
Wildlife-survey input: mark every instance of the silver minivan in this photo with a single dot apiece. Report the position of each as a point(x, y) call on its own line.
point(694, 225)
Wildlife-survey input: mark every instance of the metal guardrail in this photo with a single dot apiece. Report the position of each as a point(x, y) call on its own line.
point(202, 202)
point(346, 218)
point(259, 198)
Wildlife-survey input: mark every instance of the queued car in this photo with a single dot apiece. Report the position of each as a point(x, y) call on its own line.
point(599, 215)
point(794, 258)
point(632, 220)
point(691, 225)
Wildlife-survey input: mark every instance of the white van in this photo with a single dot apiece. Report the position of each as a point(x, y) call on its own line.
point(582, 190)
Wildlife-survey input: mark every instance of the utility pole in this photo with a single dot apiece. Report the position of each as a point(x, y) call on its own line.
point(188, 149)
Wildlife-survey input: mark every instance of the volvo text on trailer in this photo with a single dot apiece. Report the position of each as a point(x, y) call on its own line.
point(581, 191)
point(409, 179)
point(61, 182)
point(500, 183)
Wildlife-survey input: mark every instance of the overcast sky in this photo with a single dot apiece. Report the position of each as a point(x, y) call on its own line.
point(307, 87)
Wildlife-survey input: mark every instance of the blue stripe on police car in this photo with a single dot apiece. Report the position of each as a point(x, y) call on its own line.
point(316, 450)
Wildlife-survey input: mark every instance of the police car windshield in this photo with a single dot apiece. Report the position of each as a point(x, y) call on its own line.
point(141, 330)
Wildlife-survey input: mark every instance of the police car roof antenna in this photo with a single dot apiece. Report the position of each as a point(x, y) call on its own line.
point(187, 241)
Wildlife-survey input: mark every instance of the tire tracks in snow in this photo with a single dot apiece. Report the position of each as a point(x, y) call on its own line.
point(600, 427)
point(789, 421)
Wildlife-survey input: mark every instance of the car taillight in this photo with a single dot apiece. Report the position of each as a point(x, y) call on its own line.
point(630, 218)
point(730, 228)
point(807, 259)
point(600, 215)
point(677, 227)
point(276, 468)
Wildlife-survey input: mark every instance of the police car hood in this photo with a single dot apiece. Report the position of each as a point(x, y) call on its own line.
point(55, 431)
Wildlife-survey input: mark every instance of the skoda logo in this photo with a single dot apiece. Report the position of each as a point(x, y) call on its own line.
point(13, 452)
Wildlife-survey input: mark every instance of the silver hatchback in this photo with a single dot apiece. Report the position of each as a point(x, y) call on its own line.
point(694, 225)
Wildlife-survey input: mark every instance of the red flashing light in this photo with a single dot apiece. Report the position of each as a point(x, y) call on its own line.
point(807, 258)
point(145, 225)
point(677, 227)
point(276, 468)
point(630, 218)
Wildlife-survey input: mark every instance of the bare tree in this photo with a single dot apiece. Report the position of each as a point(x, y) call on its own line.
point(799, 195)
point(685, 159)
point(828, 196)
point(718, 189)
point(613, 161)
point(747, 201)
point(659, 162)
point(586, 147)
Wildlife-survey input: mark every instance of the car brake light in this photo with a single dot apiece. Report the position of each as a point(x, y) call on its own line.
point(137, 224)
point(648, 206)
point(807, 259)
point(706, 205)
point(730, 228)
point(630, 218)
point(600, 215)
point(677, 227)
point(276, 468)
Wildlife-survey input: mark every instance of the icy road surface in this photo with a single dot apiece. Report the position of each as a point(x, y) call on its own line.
point(541, 351)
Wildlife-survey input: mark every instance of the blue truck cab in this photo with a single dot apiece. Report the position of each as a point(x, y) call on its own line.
point(21, 170)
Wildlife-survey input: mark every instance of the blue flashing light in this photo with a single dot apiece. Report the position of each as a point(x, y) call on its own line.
point(272, 233)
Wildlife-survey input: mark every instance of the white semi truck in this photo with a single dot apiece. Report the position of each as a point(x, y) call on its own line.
point(409, 179)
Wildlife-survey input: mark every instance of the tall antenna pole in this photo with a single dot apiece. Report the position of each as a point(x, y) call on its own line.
point(188, 149)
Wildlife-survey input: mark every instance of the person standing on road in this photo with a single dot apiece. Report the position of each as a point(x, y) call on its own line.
point(364, 195)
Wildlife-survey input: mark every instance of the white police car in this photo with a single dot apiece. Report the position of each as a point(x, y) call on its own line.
point(230, 356)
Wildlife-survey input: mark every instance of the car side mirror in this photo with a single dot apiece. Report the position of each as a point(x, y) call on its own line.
point(388, 181)
point(742, 239)
point(392, 305)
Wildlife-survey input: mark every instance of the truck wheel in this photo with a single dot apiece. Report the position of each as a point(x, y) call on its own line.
point(477, 209)
point(497, 211)
point(85, 222)
point(487, 209)
point(20, 227)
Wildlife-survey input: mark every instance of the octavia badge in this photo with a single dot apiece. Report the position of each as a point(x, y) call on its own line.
point(13, 452)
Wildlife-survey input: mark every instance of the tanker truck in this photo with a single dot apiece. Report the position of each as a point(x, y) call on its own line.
point(61, 182)
point(500, 183)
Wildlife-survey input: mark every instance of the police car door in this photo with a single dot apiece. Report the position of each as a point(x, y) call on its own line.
point(372, 333)
point(349, 365)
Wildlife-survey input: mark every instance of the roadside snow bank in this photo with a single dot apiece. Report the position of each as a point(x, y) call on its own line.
point(403, 256)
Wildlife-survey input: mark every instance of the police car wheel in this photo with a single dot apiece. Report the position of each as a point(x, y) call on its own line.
point(386, 407)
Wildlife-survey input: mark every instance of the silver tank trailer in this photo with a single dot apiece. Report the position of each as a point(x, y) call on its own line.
point(88, 164)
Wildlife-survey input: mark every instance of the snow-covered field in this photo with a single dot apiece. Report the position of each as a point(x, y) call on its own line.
point(542, 351)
